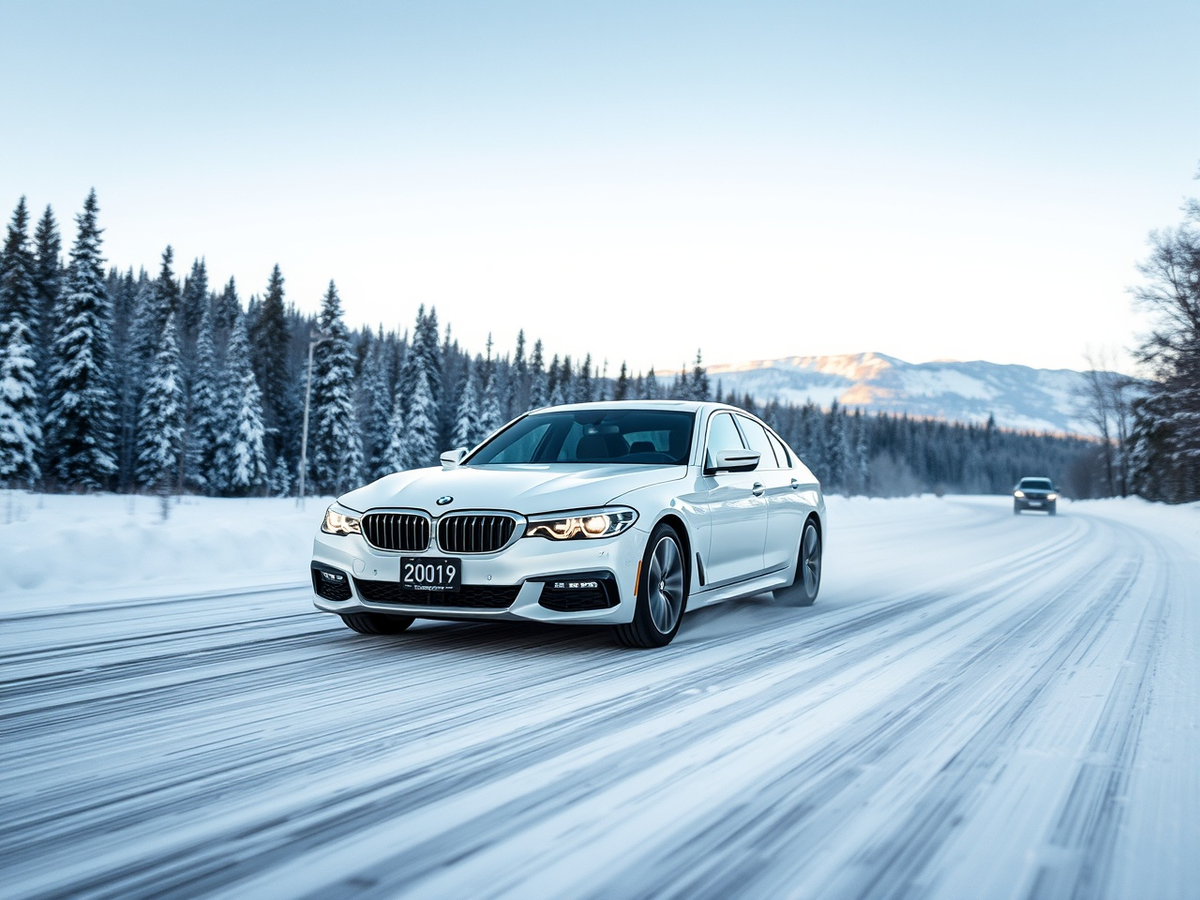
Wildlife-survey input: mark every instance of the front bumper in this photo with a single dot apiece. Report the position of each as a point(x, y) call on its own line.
point(1024, 503)
point(525, 568)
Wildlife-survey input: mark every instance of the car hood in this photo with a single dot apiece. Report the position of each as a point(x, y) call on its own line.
point(525, 489)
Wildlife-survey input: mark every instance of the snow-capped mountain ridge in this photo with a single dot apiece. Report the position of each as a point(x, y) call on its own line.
point(1019, 397)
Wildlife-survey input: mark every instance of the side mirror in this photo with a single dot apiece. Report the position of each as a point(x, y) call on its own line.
point(451, 458)
point(738, 460)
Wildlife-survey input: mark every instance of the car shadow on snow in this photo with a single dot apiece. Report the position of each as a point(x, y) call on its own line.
point(728, 619)
point(734, 618)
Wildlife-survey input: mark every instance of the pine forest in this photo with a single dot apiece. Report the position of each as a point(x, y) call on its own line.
point(169, 382)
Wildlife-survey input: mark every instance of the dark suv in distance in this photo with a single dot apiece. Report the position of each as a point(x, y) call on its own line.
point(1035, 493)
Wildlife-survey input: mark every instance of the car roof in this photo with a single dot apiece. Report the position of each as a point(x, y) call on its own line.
point(678, 405)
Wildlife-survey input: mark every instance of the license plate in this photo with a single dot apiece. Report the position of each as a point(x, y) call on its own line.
point(1035, 502)
point(430, 573)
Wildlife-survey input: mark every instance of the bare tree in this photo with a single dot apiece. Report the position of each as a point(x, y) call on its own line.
point(1105, 403)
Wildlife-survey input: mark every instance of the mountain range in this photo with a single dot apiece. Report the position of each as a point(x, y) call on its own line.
point(1019, 397)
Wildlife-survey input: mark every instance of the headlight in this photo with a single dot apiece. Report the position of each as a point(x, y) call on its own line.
point(340, 523)
point(1018, 493)
point(582, 525)
point(1052, 496)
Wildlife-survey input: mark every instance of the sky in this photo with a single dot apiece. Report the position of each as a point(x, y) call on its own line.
point(637, 181)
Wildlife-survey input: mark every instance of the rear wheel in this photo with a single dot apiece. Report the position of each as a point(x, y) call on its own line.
point(373, 623)
point(661, 592)
point(807, 583)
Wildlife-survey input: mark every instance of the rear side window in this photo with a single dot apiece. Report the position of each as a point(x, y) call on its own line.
point(785, 460)
point(757, 436)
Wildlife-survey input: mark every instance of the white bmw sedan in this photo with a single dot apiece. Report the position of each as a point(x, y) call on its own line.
point(616, 513)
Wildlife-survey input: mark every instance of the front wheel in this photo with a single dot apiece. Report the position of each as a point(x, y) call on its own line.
point(374, 623)
point(807, 583)
point(661, 592)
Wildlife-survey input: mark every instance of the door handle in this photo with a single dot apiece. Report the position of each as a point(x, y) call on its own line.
point(757, 490)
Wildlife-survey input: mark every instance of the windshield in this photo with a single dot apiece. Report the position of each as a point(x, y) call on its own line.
point(1036, 484)
point(626, 436)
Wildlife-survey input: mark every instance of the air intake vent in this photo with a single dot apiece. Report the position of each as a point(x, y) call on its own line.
point(474, 534)
point(472, 596)
point(330, 583)
point(408, 532)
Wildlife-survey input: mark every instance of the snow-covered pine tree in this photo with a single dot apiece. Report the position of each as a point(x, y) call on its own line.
point(271, 342)
point(836, 450)
point(240, 461)
point(280, 481)
point(810, 440)
point(193, 300)
point(128, 375)
point(336, 446)
point(424, 354)
point(583, 383)
point(621, 389)
point(518, 385)
point(699, 383)
point(650, 389)
point(539, 393)
point(557, 393)
point(161, 415)
point(47, 279)
point(79, 431)
point(413, 441)
point(205, 409)
point(680, 388)
point(20, 414)
point(20, 426)
point(466, 425)
point(155, 304)
point(862, 458)
point(227, 306)
point(490, 415)
point(376, 405)
point(566, 381)
point(427, 347)
point(18, 295)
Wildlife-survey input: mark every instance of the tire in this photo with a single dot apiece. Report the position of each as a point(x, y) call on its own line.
point(1016, 510)
point(662, 592)
point(374, 623)
point(807, 582)
point(1054, 510)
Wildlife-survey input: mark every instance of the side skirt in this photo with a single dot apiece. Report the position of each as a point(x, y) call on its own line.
point(745, 587)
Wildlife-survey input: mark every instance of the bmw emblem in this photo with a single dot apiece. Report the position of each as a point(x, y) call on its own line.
point(442, 501)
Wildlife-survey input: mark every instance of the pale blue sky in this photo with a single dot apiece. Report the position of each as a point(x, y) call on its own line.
point(634, 180)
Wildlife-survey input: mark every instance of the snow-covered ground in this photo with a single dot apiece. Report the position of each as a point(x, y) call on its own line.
point(69, 550)
point(979, 705)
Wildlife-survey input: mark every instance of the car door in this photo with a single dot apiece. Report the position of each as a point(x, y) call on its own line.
point(737, 507)
point(785, 509)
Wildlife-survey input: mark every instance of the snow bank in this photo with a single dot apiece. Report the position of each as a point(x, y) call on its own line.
point(65, 550)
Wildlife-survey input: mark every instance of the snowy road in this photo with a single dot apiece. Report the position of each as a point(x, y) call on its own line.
point(979, 705)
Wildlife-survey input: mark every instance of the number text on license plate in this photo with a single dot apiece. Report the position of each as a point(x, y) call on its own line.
point(430, 573)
